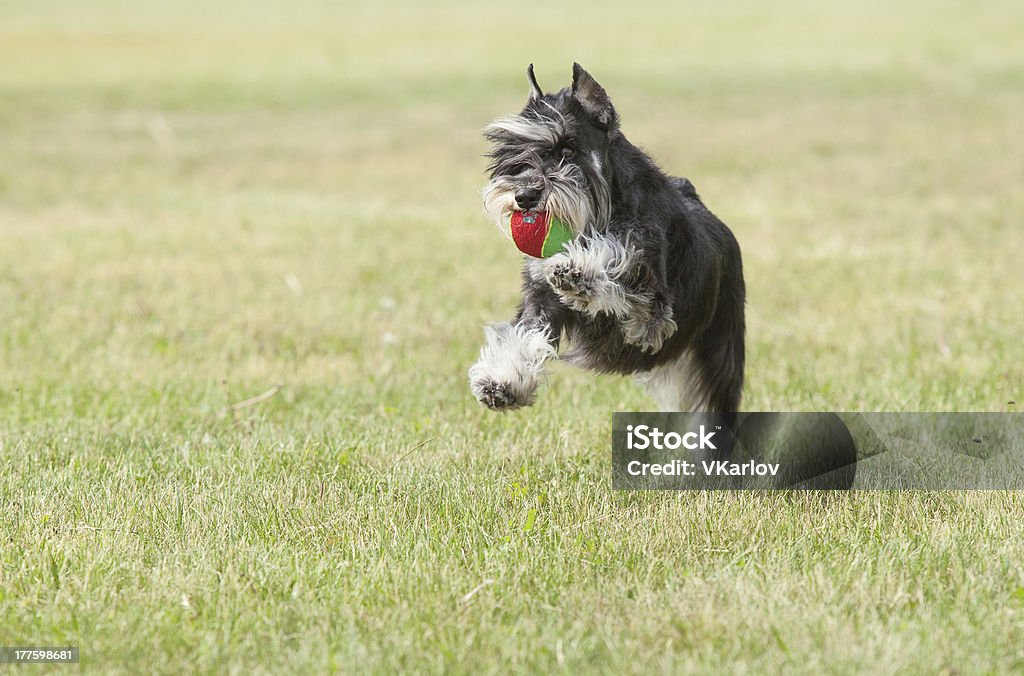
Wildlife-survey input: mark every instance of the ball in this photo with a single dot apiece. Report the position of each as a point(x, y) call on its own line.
point(538, 233)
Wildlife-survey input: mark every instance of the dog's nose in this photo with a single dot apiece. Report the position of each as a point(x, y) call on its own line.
point(527, 198)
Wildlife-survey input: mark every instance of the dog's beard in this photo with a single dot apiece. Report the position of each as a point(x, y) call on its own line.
point(499, 200)
point(564, 195)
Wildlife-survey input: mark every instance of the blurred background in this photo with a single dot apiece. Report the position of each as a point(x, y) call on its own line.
point(193, 192)
point(197, 191)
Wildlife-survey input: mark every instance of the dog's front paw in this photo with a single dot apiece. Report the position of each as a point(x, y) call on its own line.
point(511, 365)
point(573, 285)
point(647, 332)
point(500, 396)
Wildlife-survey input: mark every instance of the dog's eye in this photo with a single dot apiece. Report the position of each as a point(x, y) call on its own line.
point(567, 152)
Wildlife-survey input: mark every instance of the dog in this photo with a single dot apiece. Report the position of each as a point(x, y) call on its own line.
point(650, 285)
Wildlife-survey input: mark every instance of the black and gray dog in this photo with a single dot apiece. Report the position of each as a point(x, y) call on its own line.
point(652, 282)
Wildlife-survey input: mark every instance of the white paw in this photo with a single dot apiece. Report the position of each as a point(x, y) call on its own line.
point(583, 277)
point(503, 396)
point(510, 367)
point(576, 286)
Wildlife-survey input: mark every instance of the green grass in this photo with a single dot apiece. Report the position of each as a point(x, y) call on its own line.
point(198, 204)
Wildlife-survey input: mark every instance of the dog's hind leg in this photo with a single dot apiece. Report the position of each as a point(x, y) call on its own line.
point(706, 377)
point(720, 373)
point(675, 385)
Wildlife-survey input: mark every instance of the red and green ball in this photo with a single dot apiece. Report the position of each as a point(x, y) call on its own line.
point(538, 233)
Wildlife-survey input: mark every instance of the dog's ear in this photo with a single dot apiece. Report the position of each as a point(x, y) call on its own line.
point(592, 97)
point(535, 90)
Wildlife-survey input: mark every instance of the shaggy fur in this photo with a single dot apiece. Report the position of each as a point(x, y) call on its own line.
point(651, 286)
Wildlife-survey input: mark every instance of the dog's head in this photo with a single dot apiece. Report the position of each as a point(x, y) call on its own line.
point(553, 156)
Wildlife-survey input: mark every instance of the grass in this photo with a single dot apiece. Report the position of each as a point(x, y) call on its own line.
point(200, 204)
